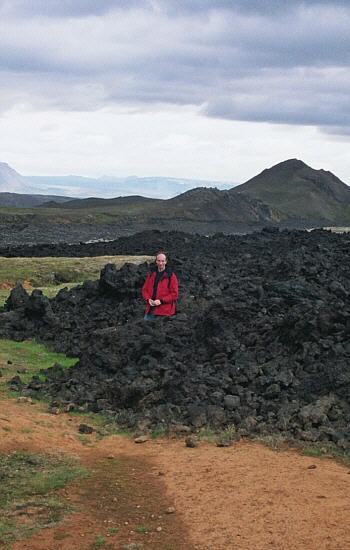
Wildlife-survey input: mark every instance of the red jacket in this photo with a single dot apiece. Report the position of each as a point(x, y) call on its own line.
point(167, 292)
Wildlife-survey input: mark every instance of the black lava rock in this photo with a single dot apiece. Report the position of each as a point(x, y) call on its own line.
point(261, 339)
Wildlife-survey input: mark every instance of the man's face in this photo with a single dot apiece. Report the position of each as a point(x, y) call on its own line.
point(161, 261)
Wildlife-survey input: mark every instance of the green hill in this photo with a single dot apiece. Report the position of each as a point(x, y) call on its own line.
point(299, 191)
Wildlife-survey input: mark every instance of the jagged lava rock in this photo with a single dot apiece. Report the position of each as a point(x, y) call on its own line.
point(261, 339)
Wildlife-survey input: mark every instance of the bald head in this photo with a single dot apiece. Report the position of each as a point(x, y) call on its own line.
point(161, 261)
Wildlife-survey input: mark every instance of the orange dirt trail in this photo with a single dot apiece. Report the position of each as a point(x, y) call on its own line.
point(244, 497)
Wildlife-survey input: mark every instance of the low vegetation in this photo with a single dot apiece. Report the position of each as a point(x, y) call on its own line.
point(325, 449)
point(26, 359)
point(99, 542)
point(51, 274)
point(29, 497)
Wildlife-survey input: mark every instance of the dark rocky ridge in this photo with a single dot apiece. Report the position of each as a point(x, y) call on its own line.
point(21, 200)
point(262, 338)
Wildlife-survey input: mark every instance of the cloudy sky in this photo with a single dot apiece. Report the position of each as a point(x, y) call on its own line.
point(217, 90)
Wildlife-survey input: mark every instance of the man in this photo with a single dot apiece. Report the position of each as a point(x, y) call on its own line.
point(160, 290)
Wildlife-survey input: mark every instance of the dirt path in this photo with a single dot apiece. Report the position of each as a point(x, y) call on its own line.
point(244, 497)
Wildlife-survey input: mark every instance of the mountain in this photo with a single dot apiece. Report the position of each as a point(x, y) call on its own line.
point(215, 205)
point(105, 186)
point(110, 187)
point(10, 180)
point(290, 194)
point(301, 192)
point(202, 205)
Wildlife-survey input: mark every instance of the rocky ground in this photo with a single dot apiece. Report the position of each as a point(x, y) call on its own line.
point(27, 233)
point(261, 339)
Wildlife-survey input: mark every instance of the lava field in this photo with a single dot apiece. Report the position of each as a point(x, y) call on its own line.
point(261, 340)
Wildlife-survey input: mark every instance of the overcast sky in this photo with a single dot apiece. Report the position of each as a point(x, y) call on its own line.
point(216, 90)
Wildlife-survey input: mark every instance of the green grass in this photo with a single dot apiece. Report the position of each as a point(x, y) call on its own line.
point(103, 424)
point(43, 272)
point(29, 485)
point(159, 431)
point(30, 356)
point(142, 529)
point(227, 436)
point(211, 435)
point(99, 542)
point(207, 434)
point(3, 296)
point(326, 450)
point(34, 357)
point(52, 274)
point(274, 442)
point(7, 529)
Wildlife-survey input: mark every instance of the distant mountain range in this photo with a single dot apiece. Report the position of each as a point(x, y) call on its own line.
point(290, 194)
point(106, 186)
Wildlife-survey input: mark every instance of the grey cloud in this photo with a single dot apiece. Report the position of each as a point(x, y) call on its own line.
point(300, 97)
point(265, 6)
point(57, 92)
point(222, 45)
point(76, 8)
point(287, 109)
point(61, 8)
point(231, 63)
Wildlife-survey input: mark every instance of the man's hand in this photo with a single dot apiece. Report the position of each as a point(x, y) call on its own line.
point(153, 303)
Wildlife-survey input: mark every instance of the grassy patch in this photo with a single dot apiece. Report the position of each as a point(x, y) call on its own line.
point(207, 434)
point(27, 357)
point(28, 498)
point(52, 274)
point(4, 294)
point(99, 542)
point(142, 529)
point(326, 450)
point(275, 442)
point(103, 424)
point(159, 431)
point(47, 272)
point(227, 436)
